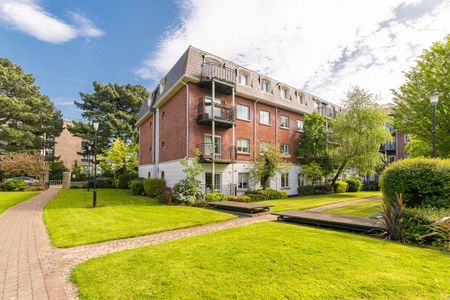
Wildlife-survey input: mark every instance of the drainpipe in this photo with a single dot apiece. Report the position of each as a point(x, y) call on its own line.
point(187, 117)
point(254, 135)
point(157, 142)
point(276, 142)
point(233, 104)
point(213, 136)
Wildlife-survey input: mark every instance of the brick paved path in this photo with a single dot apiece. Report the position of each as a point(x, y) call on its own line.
point(30, 268)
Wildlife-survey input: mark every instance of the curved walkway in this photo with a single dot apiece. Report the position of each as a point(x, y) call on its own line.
point(30, 268)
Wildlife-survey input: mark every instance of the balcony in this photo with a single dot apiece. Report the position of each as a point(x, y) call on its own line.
point(224, 78)
point(224, 154)
point(224, 115)
point(388, 146)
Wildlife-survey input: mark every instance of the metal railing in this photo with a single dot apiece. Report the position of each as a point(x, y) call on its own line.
point(226, 189)
point(55, 182)
point(222, 152)
point(215, 71)
point(220, 111)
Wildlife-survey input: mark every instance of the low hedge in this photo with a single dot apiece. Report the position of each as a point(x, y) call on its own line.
point(15, 185)
point(371, 185)
point(137, 186)
point(267, 194)
point(242, 198)
point(309, 190)
point(154, 187)
point(124, 180)
point(354, 184)
point(422, 181)
point(214, 197)
point(340, 186)
point(102, 182)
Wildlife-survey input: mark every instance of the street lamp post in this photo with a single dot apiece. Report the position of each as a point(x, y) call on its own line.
point(89, 165)
point(94, 200)
point(434, 98)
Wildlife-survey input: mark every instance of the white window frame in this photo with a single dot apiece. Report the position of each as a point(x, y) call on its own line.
point(284, 93)
point(284, 122)
point(247, 118)
point(284, 180)
point(246, 75)
point(208, 145)
point(243, 177)
point(284, 149)
point(301, 98)
point(265, 83)
point(261, 112)
point(300, 128)
point(240, 146)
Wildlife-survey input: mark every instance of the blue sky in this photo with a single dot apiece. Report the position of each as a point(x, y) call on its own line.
point(62, 70)
point(321, 46)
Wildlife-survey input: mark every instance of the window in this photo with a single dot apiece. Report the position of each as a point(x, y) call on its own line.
point(264, 146)
point(300, 98)
point(300, 125)
point(163, 146)
point(284, 149)
point(264, 117)
point(284, 92)
point(209, 145)
point(163, 115)
point(285, 180)
point(212, 60)
point(317, 107)
point(284, 122)
point(243, 112)
point(243, 146)
point(162, 85)
point(265, 85)
point(244, 78)
point(217, 182)
point(243, 179)
point(406, 138)
point(391, 159)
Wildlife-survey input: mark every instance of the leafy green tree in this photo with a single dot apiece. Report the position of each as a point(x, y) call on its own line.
point(77, 172)
point(313, 143)
point(413, 111)
point(57, 168)
point(313, 171)
point(120, 157)
point(358, 132)
point(269, 162)
point(115, 107)
point(25, 114)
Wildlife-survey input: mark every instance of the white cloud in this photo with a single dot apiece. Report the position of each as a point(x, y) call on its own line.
point(323, 46)
point(28, 16)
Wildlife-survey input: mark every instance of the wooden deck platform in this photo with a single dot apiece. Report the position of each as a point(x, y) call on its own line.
point(352, 223)
point(248, 208)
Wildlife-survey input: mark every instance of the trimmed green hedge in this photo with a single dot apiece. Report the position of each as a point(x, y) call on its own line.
point(340, 186)
point(422, 181)
point(309, 190)
point(242, 198)
point(214, 197)
point(267, 194)
point(354, 184)
point(137, 186)
point(15, 185)
point(154, 187)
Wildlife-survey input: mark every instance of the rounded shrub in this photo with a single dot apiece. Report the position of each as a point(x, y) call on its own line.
point(340, 186)
point(242, 198)
point(15, 185)
point(354, 184)
point(137, 186)
point(153, 187)
point(422, 181)
point(124, 180)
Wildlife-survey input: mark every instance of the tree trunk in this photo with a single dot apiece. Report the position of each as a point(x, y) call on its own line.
point(338, 172)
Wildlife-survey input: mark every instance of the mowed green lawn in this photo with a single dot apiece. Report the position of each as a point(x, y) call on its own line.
point(72, 221)
point(301, 203)
point(268, 261)
point(8, 199)
point(359, 209)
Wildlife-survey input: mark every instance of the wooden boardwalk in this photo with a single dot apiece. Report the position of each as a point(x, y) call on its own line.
point(352, 223)
point(241, 207)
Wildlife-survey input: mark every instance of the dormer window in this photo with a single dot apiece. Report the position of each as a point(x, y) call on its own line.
point(212, 60)
point(300, 98)
point(244, 78)
point(265, 85)
point(162, 85)
point(284, 92)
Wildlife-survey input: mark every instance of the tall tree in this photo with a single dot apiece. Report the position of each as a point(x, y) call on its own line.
point(115, 107)
point(313, 143)
point(358, 131)
point(413, 111)
point(120, 157)
point(25, 114)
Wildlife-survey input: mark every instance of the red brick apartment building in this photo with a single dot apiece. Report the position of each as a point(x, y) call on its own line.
point(227, 112)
